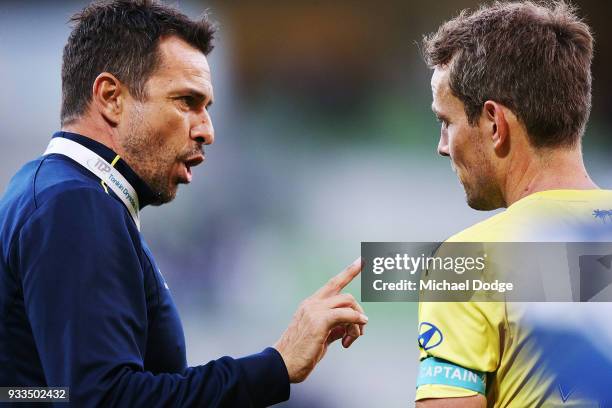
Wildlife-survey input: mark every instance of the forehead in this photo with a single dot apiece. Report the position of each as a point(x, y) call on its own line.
point(182, 65)
point(439, 83)
point(444, 101)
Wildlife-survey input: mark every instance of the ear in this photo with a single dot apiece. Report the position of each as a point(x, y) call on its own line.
point(496, 126)
point(108, 97)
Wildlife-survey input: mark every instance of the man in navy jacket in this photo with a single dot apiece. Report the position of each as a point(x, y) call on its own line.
point(82, 302)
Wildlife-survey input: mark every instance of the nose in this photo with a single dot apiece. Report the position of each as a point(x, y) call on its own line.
point(443, 145)
point(203, 132)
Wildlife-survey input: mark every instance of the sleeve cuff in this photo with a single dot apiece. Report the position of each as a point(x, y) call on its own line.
point(266, 376)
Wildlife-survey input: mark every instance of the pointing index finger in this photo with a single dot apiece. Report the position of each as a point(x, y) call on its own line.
point(339, 282)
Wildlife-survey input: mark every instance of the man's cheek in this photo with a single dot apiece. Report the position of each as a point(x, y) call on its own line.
point(456, 150)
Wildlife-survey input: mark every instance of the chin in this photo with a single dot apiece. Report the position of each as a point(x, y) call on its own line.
point(482, 202)
point(479, 205)
point(164, 197)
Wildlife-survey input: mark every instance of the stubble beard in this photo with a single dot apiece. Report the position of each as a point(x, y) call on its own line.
point(481, 195)
point(148, 157)
point(481, 191)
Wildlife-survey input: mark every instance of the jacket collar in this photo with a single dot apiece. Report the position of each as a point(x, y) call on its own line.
point(146, 196)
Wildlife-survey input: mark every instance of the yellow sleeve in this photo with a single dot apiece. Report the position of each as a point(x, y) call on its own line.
point(442, 391)
point(462, 334)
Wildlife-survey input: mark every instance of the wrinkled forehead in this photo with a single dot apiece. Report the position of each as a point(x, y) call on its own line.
point(181, 63)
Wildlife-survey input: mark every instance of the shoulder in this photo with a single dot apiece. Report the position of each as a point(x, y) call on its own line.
point(65, 195)
point(49, 183)
point(77, 220)
point(58, 177)
point(525, 219)
point(44, 179)
point(491, 229)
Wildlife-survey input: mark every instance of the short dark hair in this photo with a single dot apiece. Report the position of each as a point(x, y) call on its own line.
point(121, 37)
point(534, 58)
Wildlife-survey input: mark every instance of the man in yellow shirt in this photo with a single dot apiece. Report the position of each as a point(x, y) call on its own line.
point(512, 89)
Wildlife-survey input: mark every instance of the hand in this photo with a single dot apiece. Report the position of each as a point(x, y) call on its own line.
point(321, 319)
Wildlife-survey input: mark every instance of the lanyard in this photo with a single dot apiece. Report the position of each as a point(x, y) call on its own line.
point(102, 169)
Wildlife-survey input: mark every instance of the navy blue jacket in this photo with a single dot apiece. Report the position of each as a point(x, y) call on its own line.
point(83, 305)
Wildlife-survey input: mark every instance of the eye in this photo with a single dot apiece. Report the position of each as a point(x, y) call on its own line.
point(188, 100)
point(443, 122)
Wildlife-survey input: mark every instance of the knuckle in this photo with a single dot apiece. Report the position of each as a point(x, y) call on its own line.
point(331, 317)
point(334, 283)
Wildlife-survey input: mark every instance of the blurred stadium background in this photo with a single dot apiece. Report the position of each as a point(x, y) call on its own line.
point(324, 139)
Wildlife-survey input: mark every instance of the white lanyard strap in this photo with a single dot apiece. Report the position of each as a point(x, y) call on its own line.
point(102, 169)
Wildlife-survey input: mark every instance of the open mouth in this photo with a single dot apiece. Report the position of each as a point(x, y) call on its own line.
point(188, 164)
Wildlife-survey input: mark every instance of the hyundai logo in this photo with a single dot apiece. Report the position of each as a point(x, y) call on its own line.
point(429, 336)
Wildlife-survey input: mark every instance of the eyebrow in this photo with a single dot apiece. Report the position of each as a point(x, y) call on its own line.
point(436, 112)
point(199, 96)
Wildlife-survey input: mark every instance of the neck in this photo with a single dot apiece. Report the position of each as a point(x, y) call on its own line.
point(99, 131)
point(546, 169)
